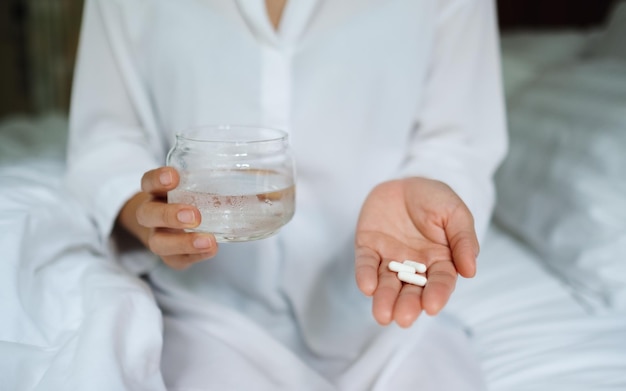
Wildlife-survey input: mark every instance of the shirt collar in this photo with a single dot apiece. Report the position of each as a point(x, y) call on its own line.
point(295, 19)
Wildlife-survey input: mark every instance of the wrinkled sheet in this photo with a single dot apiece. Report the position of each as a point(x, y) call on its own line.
point(73, 319)
point(70, 318)
point(530, 333)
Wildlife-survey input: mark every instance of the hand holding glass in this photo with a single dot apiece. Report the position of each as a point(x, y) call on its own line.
point(242, 180)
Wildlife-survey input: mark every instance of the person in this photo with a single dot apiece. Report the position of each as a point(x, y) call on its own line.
point(395, 113)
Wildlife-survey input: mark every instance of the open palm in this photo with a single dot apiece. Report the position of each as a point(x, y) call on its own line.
point(418, 219)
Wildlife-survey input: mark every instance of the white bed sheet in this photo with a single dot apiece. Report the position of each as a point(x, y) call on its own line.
point(529, 332)
point(70, 317)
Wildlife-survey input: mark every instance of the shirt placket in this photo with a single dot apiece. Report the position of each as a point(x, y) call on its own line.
point(276, 86)
point(277, 55)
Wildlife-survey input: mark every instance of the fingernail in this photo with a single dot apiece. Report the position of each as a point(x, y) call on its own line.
point(202, 243)
point(165, 178)
point(186, 216)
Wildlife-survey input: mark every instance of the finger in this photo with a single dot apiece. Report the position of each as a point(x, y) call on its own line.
point(181, 262)
point(170, 243)
point(463, 241)
point(441, 282)
point(157, 214)
point(159, 181)
point(385, 295)
point(366, 267)
point(408, 305)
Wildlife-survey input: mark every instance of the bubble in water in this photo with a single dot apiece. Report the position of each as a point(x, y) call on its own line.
point(238, 206)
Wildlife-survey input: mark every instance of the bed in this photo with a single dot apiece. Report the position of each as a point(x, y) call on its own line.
point(547, 310)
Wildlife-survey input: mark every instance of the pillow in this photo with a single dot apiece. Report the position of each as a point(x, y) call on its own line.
point(527, 54)
point(32, 161)
point(562, 188)
point(33, 139)
point(612, 42)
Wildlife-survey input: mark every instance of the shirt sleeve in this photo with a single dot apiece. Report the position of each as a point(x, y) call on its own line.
point(112, 136)
point(459, 136)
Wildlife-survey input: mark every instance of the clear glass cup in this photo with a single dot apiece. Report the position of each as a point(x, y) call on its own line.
point(241, 178)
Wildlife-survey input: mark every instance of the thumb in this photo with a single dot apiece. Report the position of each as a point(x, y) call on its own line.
point(463, 242)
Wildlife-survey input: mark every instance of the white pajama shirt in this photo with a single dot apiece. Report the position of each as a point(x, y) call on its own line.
point(368, 90)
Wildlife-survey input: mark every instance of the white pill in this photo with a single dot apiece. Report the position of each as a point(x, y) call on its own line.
point(411, 278)
point(419, 267)
point(399, 267)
